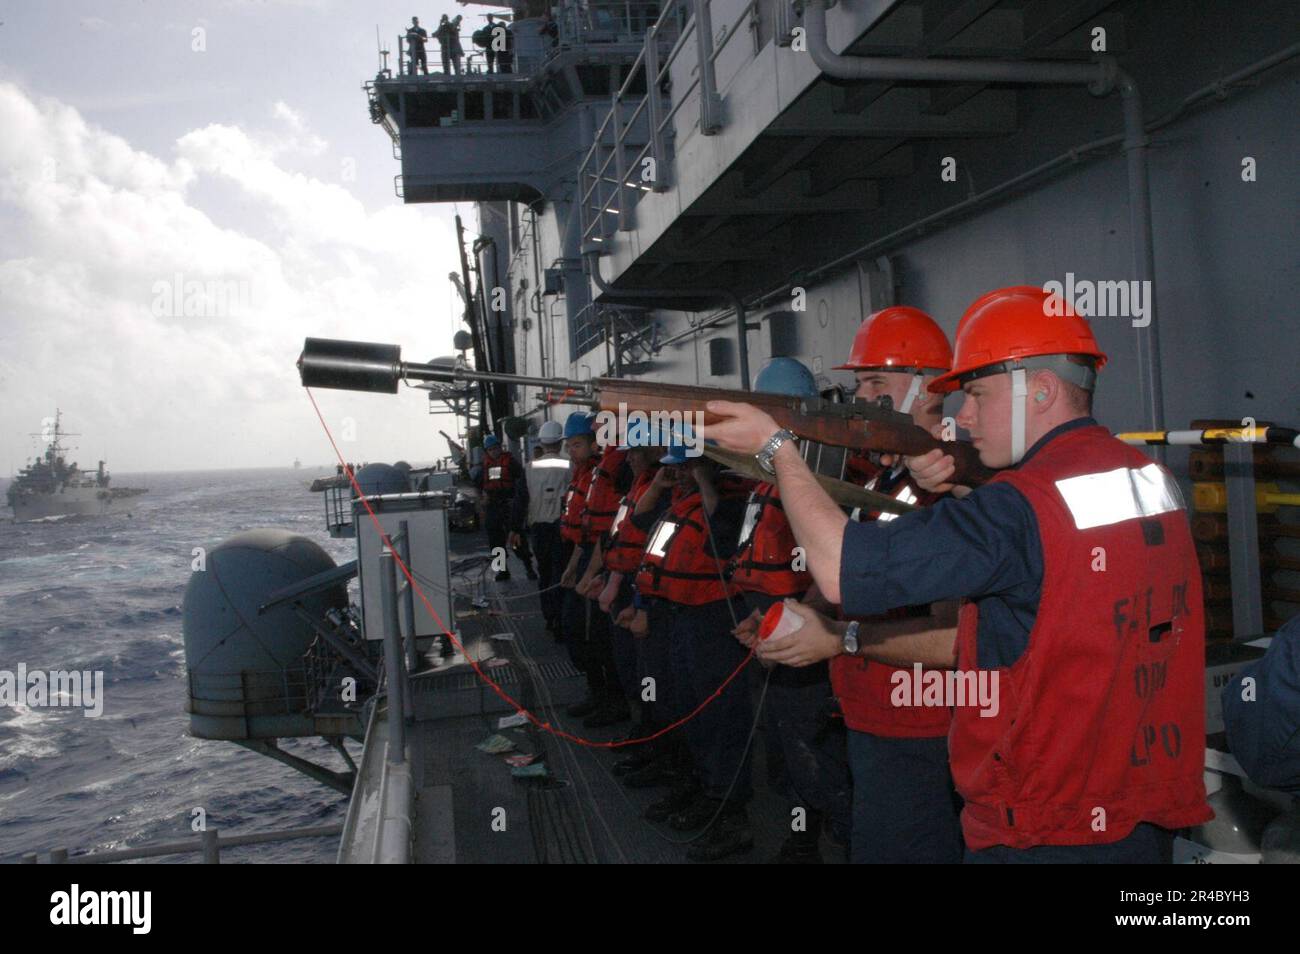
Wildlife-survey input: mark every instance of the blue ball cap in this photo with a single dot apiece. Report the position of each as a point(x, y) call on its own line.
point(491, 441)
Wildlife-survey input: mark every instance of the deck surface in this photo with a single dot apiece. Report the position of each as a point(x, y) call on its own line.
point(470, 809)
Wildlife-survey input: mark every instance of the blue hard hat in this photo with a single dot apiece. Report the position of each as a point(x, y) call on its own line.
point(786, 376)
point(491, 441)
point(578, 424)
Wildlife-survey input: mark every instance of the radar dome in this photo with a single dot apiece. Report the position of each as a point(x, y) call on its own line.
point(247, 677)
point(223, 630)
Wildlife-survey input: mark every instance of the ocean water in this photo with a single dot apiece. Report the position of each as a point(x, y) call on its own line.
point(105, 593)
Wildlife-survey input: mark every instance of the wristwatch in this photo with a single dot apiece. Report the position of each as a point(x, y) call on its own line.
point(769, 450)
point(851, 638)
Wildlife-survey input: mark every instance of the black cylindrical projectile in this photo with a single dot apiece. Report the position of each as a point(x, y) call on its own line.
point(350, 365)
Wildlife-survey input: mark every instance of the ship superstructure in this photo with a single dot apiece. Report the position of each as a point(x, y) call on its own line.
point(50, 486)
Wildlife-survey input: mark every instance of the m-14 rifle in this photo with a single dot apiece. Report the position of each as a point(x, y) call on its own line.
point(364, 366)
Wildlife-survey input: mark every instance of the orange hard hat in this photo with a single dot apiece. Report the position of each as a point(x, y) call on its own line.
point(899, 338)
point(1009, 324)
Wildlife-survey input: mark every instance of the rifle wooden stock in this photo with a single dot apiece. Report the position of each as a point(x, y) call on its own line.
point(856, 426)
point(841, 491)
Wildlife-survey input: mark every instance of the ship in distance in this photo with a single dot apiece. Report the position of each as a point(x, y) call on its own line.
point(50, 486)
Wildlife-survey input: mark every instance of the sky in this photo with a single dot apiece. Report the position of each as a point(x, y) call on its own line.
point(188, 189)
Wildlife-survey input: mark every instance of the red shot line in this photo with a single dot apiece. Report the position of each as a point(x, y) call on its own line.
point(542, 724)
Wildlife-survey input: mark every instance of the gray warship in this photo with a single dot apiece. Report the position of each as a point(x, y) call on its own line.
point(51, 487)
point(681, 191)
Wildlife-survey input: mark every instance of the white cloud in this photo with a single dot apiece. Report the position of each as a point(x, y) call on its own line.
point(97, 227)
point(300, 138)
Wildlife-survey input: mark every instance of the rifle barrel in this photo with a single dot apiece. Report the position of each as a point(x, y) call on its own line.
point(379, 368)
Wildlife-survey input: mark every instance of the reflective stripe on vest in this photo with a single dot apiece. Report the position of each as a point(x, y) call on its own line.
point(1099, 500)
point(575, 502)
point(618, 519)
point(625, 540)
point(905, 493)
point(764, 559)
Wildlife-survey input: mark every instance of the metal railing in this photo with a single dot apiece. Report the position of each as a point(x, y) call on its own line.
point(609, 194)
point(605, 21)
point(592, 23)
point(251, 693)
point(209, 843)
point(470, 62)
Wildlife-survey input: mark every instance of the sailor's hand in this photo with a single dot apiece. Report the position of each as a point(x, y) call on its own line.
point(747, 631)
point(570, 579)
point(591, 586)
point(745, 428)
point(639, 624)
point(634, 620)
point(817, 639)
point(933, 470)
point(514, 540)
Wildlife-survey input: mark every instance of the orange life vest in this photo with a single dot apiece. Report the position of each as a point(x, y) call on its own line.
point(626, 542)
point(496, 473)
point(765, 555)
point(676, 564)
point(575, 503)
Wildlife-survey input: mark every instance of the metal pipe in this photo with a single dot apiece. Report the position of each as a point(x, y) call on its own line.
point(537, 277)
point(393, 659)
point(953, 70)
point(621, 218)
point(655, 108)
point(710, 105)
point(1136, 142)
point(408, 600)
point(1243, 541)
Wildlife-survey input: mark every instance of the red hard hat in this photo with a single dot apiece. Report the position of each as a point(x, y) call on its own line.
point(1012, 323)
point(899, 337)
